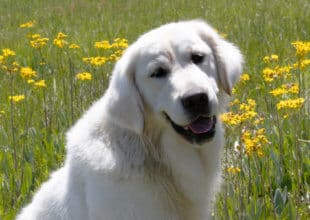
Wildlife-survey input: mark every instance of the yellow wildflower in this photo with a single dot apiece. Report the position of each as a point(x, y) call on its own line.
point(233, 170)
point(244, 77)
point(103, 45)
point(249, 106)
point(39, 84)
point(302, 48)
point(27, 72)
point(84, 76)
point(285, 89)
point(28, 24)
point(7, 52)
point(120, 43)
point(304, 63)
point(74, 46)
point(59, 41)
point(38, 41)
point(30, 81)
point(234, 102)
point(290, 103)
point(35, 36)
point(266, 59)
point(2, 112)
point(274, 57)
point(96, 61)
point(258, 121)
point(254, 141)
point(16, 98)
point(269, 74)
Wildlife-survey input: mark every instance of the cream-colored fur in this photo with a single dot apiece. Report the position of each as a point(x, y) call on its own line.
point(124, 159)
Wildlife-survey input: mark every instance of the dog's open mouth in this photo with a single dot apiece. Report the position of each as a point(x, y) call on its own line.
point(198, 131)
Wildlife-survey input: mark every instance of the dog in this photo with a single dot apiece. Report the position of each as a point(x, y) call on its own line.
point(150, 148)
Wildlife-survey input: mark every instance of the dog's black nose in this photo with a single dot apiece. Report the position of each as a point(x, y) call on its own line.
point(197, 103)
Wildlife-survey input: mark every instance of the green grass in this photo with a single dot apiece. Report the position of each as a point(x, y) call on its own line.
point(272, 186)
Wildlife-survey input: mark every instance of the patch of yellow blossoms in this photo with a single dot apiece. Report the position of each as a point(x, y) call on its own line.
point(60, 41)
point(302, 48)
point(16, 98)
point(246, 112)
point(117, 43)
point(40, 84)
point(233, 170)
point(27, 72)
point(28, 24)
point(291, 103)
point(270, 74)
point(285, 89)
point(272, 57)
point(37, 41)
point(254, 141)
point(84, 76)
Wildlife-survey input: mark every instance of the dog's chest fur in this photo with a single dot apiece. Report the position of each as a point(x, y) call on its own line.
point(151, 180)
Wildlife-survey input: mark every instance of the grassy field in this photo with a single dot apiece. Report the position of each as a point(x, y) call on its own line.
point(51, 71)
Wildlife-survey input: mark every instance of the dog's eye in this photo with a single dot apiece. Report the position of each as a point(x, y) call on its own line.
point(197, 58)
point(159, 73)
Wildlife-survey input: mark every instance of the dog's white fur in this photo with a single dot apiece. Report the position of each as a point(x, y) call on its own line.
point(124, 159)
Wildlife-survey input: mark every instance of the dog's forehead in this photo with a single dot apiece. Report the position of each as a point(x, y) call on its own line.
point(167, 41)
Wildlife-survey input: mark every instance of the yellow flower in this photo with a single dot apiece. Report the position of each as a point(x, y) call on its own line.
point(103, 45)
point(30, 81)
point(16, 98)
point(59, 41)
point(266, 59)
point(7, 52)
point(302, 48)
point(84, 76)
point(249, 106)
point(234, 102)
point(254, 141)
point(35, 36)
point(120, 43)
point(1, 59)
point(96, 61)
point(61, 35)
point(244, 77)
point(38, 41)
point(27, 72)
point(285, 89)
point(269, 74)
point(28, 24)
point(274, 57)
point(39, 84)
point(233, 170)
point(290, 104)
point(74, 46)
point(304, 63)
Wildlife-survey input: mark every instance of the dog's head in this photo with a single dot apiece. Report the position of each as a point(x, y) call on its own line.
point(175, 74)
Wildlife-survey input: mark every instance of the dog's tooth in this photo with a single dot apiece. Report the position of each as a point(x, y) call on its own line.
point(186, 128)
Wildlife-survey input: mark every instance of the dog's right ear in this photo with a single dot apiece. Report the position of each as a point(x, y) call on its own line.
point(229, 60)
point(124, 104)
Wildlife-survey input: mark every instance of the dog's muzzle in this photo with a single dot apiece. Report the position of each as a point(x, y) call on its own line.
point(202, 127)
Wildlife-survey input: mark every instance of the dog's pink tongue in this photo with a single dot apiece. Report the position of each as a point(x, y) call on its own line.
point(201, 125)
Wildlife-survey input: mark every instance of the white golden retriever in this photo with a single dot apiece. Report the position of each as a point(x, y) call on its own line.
point(150, 148)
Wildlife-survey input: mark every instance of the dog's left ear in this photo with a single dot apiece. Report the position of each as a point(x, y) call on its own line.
point(229, 60)
point(125, 107)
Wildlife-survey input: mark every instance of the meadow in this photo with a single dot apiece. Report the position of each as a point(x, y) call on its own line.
point(56, 58)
